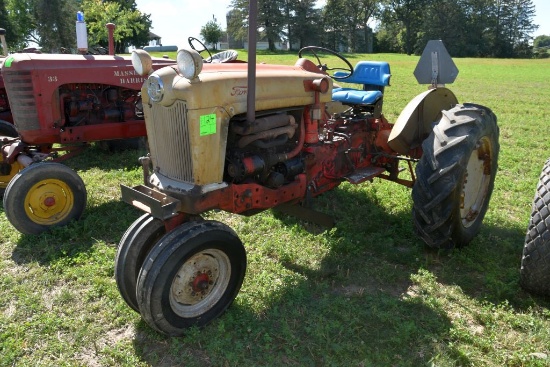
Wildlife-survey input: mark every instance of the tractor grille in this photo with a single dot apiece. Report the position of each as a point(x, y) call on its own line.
point(168, 134)
point(21, 97)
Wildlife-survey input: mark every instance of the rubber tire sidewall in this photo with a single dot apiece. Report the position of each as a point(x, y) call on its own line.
point(23, 181)
point(7, 129)
point(436, 201)
point(535, 262)
point(165, 259)
point(133, 247)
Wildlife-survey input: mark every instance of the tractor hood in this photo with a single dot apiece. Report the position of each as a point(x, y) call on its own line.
point(62, 68)
point(225, 85)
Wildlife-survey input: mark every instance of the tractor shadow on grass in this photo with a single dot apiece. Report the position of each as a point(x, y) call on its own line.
point(104, 220)
point(103, 224)
point(372, 299)
point(379, 296)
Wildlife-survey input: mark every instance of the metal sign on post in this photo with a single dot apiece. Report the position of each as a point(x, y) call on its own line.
point(435, 67)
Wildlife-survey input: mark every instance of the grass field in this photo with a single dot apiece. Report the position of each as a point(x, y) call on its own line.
point(365, 293)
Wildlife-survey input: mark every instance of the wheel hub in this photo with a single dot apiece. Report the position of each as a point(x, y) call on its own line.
point(195, 279)
point(200, 282)
point(49, 201)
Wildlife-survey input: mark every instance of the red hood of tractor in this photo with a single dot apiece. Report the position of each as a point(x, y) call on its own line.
point(62, 69)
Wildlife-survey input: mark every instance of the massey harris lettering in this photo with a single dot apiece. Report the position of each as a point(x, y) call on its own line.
point(129, 77)
point(125, 73)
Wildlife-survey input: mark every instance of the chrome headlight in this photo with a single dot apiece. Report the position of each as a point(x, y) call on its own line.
point(142, 62)
point(155, 88)
point(189, 63)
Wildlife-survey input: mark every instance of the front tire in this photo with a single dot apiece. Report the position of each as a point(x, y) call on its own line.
point(134, 246)
point(455, 176)
point(42, 196)
point(535, 262)
point(191, 276)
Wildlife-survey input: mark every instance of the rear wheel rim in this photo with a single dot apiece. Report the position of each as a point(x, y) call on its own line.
point(477, 180)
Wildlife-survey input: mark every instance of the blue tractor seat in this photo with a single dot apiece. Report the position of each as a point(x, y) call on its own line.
point(373, 75)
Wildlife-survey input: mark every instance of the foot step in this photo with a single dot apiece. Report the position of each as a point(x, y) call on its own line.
point(364, 174)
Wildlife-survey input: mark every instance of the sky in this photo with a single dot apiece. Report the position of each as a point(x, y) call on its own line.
point(176, 20)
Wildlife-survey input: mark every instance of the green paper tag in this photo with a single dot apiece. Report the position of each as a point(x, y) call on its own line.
point(208, 124)
point(8, 62)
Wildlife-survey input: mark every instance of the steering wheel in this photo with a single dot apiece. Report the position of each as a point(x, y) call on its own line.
point(324, 67)
point(191, 40)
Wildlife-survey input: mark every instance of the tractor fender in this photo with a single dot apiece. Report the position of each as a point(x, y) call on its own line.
point(414, 123)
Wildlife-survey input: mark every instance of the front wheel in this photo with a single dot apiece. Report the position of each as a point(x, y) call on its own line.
point(134, 245)
point(535, 262)
point(42, 196)
point(191, 276)
point(455, 176)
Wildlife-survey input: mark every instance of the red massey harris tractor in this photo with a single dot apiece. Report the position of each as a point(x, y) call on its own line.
point(60, 103)
point(248, 137)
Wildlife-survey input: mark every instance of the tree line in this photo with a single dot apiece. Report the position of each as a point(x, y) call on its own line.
point(50, 24)
point(477, 28)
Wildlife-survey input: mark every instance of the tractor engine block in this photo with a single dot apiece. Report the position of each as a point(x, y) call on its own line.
point(89, 104)
point(257, 151)
point(271, 150)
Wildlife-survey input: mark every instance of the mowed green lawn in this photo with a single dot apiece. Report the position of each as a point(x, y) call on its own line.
point(365, 293)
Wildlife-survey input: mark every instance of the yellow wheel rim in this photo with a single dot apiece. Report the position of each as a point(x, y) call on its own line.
point(49, 202)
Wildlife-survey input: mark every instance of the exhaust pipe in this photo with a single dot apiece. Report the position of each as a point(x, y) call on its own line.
point(111, 28)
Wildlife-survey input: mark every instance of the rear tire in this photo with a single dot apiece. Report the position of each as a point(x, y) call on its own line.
point(535, 262)
point(42, 196)
point(190, 277)
point(455, 176)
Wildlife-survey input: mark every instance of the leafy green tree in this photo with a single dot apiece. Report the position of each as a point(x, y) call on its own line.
point(237, 22)
point(21, 23)
point(541, 47)
point(335, 23)
point(211, 33)
point(446, 21)
point(55, 24)
point(137, 24)
point(498, 28)
point(516, 27)
point(542, 41)
point(303, 23)
point(409, 14)
point(348, 21)
point(48, 23)
point(270, 20)
point(132, 26)
point(11, 37)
